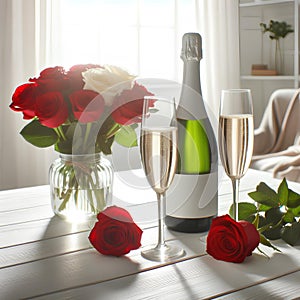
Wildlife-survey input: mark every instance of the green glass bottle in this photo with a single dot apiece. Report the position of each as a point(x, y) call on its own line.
point(192, 199)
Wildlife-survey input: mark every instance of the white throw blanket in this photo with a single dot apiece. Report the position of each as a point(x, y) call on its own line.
point(277, 139)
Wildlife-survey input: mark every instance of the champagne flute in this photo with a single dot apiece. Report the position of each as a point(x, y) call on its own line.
point(158, 145)
point(236, 137)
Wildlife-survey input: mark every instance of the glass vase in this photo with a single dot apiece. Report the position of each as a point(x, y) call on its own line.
point(80, 185)
point(279, 67)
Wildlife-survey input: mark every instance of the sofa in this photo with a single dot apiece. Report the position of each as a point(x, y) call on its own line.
point(277, 139)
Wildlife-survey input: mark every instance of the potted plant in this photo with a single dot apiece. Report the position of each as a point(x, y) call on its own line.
point(277, 30)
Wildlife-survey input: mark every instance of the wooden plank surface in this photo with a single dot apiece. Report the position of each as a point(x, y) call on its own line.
point(71, 262)
point(283, 287)
point(43, 256)
point(197, 278)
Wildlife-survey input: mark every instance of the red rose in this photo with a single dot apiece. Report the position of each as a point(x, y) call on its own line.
point(75, 75)
point(24, 99)
point(231, 241)
point(115, 233)
point(128, 106)
point(51, 109)
point(52, 79)
point(87, 105)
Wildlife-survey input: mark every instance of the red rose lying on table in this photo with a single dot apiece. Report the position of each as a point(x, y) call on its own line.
point(231, 241)
point(115, 233)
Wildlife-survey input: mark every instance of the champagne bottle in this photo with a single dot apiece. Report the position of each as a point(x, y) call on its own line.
point(192, 199)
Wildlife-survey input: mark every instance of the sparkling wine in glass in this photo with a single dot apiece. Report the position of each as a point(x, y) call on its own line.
point(236, 136)
point(158, 145)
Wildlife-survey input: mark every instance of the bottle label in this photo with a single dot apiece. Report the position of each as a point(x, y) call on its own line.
point(193, 196)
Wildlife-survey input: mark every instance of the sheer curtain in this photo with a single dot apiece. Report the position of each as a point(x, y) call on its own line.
point(25, 35)
point(142, 36)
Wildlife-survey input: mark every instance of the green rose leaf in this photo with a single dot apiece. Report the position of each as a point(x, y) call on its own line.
point(274, 215)
point(262, 207)
point(296, 211)
point(291, 234)
point(267, 243)
point(263, 199)
point(273, 233)
point(126, 136)
point(293, 200)
point(289, 216)
point(38, 135)
point(265, 195)
point(263, 188)
point(283, 192)
point(245, 210)
point(273, 223)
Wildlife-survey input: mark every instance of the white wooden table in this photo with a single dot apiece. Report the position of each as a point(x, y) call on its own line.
point(43, 257)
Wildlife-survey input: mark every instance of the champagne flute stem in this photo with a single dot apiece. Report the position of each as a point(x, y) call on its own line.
point(235, 188)
point(161, 215)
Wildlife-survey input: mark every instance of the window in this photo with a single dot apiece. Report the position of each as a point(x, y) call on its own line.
point(142, 36)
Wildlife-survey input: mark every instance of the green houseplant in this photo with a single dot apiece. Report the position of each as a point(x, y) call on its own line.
point(278, 30)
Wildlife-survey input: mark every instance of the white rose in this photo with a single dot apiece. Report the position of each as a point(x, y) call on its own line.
point(108, 81)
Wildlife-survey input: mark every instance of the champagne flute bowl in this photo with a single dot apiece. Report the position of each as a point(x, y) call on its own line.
point(236, 136)
point(158, 146)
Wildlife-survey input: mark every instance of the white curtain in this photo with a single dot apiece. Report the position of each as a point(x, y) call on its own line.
point(24, 32)
point(219, 27)
point(142, 36)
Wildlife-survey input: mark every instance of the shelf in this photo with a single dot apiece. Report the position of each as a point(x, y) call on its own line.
point(266, 2)
point(252, 13)
point(277, 77)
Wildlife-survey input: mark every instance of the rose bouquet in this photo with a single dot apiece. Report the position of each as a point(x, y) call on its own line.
point(102, 103)
point(81, 112)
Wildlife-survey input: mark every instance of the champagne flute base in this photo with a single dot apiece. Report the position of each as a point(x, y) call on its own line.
point(162, 253)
